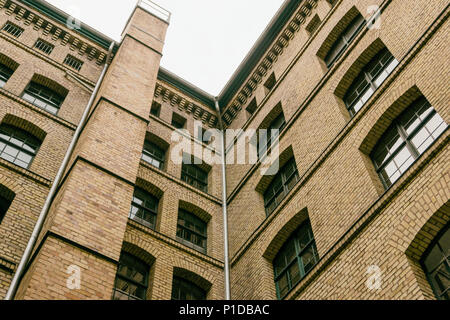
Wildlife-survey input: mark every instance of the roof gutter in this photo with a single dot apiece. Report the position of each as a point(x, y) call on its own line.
point(45, 209)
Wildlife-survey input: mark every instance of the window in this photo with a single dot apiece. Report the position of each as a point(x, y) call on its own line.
point(406, 139)
point(192, 231)
point(131, 279)
point(178, 121)
point(144, 208)
point(344, 40)
point(252, 106)
point(43, 97)
point(5, 74)
point(436, 264)
point(44, 46)
point(270, 83)
point(73, 62)
point(295, 260)
point(18, 146)
point(313, 25)
point(4, 206)
point(278, 124)
point(156, 109)
point(186, 290)
point(195, 176)
point(281, 185)
point(12, 29)
point(369, 80)
point(153, 155)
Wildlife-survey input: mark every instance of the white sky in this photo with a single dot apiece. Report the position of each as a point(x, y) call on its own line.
point(206, 40)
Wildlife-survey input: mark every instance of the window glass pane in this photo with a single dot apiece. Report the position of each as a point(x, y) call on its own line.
point(283, 285)
point(309, 259)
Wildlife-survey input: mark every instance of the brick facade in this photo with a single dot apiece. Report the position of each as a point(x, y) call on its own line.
point(357, 223)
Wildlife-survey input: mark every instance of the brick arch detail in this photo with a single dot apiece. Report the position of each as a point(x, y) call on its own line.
point(22, 121)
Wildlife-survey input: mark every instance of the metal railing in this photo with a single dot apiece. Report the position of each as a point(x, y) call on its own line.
point(155, 9)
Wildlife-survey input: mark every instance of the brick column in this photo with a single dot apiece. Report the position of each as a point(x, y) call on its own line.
point(87, 220)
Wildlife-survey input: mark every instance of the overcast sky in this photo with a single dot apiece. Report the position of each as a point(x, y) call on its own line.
point(206, 40)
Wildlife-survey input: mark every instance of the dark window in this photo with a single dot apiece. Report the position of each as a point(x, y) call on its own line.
point(156, 109)
point(192, 231)
point(18, 146)
point(313, 25)
point(344, 40)
point(186, 290)
point(131, 279)
point(12, 29)
point(369, 80)
point(265, 142)
point(5, 74)
point(178, 121)
point(144, 208)
point(281, 185)
point(436, 264)
point(195, 176)
point(252, 106)
point(153, 155)
point(44, 46)
point(295, 260)
point(73, 62)
point(4, 206)
point(407, 138)
point(270, 83)
point(43, 97)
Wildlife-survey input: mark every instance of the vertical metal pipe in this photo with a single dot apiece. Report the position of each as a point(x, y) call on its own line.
point(224, 205)
point(43, 215)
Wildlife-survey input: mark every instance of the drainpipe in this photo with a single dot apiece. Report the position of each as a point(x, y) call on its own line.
point(224, 205)
point(42, 217)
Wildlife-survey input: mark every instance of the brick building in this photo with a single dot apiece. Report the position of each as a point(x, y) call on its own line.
point(358, 210)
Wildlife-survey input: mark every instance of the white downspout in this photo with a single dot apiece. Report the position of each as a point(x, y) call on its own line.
point(224, 205)
point(43, 215)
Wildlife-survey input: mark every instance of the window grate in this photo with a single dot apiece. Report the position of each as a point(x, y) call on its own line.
point(44, 46)
point(73, 62)
point(12, 29)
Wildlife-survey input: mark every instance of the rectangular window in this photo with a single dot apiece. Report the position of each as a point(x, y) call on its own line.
point(195, 176)
point(178, 121)
point(144, 208)
point(192, 231)
point(153, 155)
point(270, 83)
point(12, 29)
point(44, 46)
point(156, 109)
point(73, 62)
point(264, 144)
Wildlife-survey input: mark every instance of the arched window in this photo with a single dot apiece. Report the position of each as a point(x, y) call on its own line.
point(436, 264)
point(144, 208)
point(5, 74)
point(344, 40)
point(192, 231)
point(131, 279)
point(43, 97)
point(295, 260)
point(186, 290)
point(369, 80)
point(17, 145)
point(6, 198)
point(281, 185)
point(406, 139)
point(195, 176)
point(153, 155)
